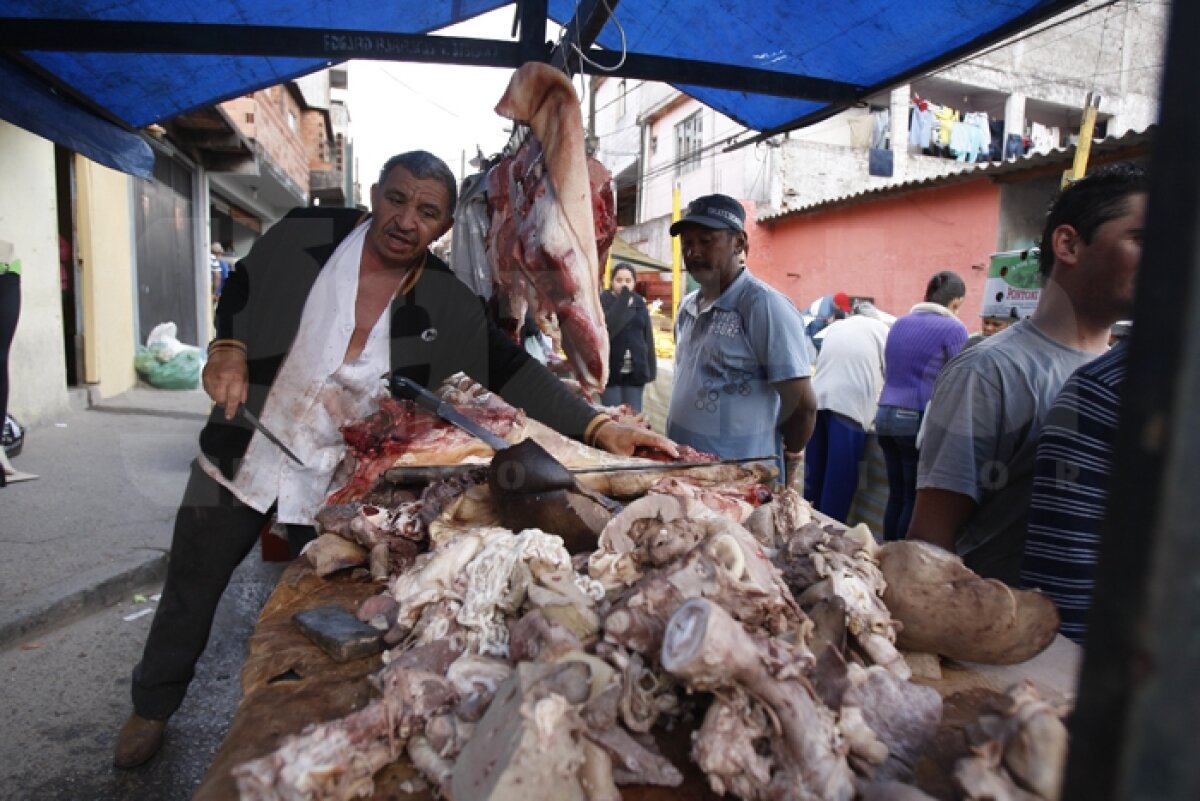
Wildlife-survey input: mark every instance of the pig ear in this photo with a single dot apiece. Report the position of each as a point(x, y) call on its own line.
point(507, 107)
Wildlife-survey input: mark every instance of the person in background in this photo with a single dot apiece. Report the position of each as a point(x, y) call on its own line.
point(824, 312)
point(1070, 488)
point(977, 463)
point(847, 381)
point(218, 268)
point(536, 343)
point(632, 363)
point(327, 302)
point(918, 346)
point(11, 435)
point(989, 327)
point(742, 361)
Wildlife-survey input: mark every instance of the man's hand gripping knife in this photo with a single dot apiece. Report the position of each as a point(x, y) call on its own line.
point(226, 376)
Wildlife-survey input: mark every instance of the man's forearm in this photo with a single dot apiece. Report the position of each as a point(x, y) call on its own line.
point(939, 515)
point(798, 429)
point(798, 411)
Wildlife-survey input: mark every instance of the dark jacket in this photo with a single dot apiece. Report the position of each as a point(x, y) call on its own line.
point(629, 330)
point(439, 328)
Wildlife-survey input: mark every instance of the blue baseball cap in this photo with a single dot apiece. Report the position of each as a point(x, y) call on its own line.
point(712, 211)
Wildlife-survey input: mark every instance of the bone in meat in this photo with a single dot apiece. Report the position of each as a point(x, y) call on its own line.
point(336, 760)
point(528, 741)
point(709, 650)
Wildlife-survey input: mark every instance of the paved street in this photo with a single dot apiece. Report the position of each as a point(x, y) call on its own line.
point(76, 546)
point(67, 691)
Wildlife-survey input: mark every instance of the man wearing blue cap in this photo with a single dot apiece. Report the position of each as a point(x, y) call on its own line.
point(742, 361)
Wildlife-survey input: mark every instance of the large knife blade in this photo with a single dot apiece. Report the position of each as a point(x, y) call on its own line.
point(420, 474)
point(408, 389)
point(266, 432)
point(670, 465)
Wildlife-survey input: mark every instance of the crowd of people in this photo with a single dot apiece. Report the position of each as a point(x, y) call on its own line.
point(998, 451)
point(997, 447)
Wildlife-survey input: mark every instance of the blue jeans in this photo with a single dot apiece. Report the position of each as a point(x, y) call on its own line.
point(896, 429)
point(831, 463)
point(616, 394)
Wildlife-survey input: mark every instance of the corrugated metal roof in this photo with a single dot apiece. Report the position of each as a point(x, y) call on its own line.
point(623, 251)
point(1126, 144)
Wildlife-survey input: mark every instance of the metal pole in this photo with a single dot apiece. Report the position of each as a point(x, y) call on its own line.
point(1135, 732)
point(676, 257)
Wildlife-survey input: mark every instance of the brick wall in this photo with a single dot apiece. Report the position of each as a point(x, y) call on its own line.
point(885, 249)
point(317, 146)
point(264, 117)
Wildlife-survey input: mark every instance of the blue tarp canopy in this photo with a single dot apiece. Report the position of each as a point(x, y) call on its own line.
point(771, 65)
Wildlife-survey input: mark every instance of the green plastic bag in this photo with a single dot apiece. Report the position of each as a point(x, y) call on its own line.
point(181, 371)
point(144, 361)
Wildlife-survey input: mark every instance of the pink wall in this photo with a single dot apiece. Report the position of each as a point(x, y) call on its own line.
point(886, 249)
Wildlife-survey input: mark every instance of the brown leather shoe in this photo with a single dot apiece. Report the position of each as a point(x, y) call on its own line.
point(138, 740)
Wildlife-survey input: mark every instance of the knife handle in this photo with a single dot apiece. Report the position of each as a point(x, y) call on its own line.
point(407, 389)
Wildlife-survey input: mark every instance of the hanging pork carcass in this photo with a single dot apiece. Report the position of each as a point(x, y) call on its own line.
point(552, 221)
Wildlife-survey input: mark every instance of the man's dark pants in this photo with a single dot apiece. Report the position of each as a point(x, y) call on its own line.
point(213, 533)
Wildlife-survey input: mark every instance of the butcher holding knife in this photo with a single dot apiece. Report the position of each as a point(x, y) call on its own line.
point(324, 303)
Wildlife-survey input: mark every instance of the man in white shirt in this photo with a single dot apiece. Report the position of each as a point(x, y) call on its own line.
point(847, 382)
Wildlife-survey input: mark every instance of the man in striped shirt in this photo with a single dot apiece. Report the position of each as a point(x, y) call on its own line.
point(1070, 488)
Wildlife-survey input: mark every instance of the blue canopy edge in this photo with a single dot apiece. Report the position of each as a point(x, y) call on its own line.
point(31, 105)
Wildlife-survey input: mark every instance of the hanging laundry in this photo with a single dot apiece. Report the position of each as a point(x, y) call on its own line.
point(881, 128)
point(974, 139)
point(1014, 146)
point(920, 125)
point(860, 131)
point(946, 116)
point(996, 129)
point(961, 142)
point(1045, 137)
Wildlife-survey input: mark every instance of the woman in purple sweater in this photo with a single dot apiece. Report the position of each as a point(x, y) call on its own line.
point(918, 346)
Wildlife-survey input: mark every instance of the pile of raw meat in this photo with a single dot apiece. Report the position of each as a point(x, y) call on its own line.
point(708, 609)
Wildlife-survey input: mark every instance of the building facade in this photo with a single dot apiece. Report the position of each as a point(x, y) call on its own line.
point(1031, 89)
point(107, 256)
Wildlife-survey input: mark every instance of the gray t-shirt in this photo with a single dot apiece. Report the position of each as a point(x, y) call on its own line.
point(727, 357)
point(981, 435)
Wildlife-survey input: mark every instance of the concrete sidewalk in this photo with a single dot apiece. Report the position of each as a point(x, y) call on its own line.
point(97, 523)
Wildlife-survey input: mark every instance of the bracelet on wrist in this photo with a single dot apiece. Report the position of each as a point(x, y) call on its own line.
point(592, 425)
point(226, 344)
point(596, 432)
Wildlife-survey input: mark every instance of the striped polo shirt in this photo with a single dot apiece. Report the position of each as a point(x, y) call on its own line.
point(1070, 488)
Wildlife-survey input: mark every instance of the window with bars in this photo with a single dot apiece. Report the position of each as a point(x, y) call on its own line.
point(689, 136)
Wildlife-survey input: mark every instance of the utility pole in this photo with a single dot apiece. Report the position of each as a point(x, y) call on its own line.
point(1083, 147)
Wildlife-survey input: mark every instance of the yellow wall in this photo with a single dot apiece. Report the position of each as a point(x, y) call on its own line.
point(28, 219)
point(105, 246)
